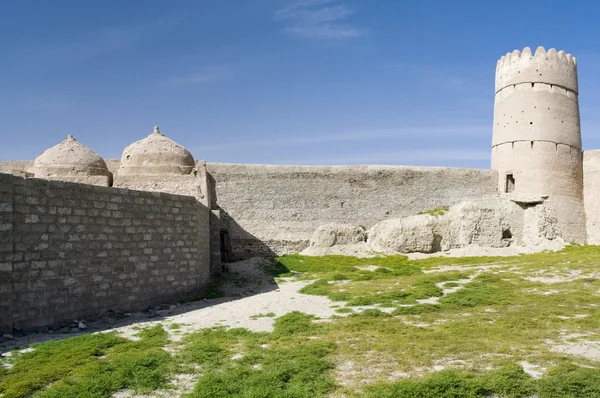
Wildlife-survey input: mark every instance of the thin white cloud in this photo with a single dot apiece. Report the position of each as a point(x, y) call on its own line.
point(364, 135)
point(215, 73)
point(319, 20)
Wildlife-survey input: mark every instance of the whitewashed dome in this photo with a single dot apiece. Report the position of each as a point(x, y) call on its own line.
point(69, 159)
point(156, 154)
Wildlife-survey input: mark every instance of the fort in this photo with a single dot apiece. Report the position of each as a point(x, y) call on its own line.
point(81, 235)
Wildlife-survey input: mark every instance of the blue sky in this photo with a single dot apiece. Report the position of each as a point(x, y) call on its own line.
point(406, 82)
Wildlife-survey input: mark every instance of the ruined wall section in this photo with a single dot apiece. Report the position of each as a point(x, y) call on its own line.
point(275, 209)
point(536, 145)
point(80, 250)
point(15, 166)
point(591, 195)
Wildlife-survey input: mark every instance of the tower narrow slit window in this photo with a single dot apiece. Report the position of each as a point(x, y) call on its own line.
point(510, 183)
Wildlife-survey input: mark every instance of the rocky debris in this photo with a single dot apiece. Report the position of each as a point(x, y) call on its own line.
point(492, 222)
point(488, 223)
point(405, 235)
point(342, 239)
point(329, 235)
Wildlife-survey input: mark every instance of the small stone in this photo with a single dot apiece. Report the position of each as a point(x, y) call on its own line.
point(7, 336)
point(172, 307)
point(75, 330)
point(81, 325)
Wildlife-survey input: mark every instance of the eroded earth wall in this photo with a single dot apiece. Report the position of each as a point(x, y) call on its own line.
point(275, 209)
point(591, 195)
point(73, 250)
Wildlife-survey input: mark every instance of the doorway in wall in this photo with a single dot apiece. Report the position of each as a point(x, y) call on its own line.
point(225, 245)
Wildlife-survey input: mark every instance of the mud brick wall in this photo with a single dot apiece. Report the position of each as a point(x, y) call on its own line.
point(270, 209)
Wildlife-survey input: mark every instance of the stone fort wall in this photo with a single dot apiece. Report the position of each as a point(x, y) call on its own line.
point(73, 250)
point(275, 209)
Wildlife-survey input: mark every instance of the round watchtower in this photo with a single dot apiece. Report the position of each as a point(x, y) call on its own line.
point(536, 144)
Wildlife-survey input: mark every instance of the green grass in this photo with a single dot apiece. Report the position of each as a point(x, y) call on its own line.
point(284, 363)
point(95, 365)
point(469, 343)
point(440, 211)
point(385, 289)
point(267, 315)
point(494, 321)
point(565, 381)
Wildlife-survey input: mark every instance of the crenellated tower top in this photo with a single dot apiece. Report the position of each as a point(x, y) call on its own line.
point(552, 67)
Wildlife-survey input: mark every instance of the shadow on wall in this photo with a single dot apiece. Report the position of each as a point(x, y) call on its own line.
point(243, 279)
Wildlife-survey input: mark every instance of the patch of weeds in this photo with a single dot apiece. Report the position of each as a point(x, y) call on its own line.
point(452, 284)
point(440, 211)
point(293, 323)
point(509, 382)
point(389, 293)
point(486, 289)
point(344, 310)
point(570, 381)
point(94, 365)
point(417, 309)
point(445, 384)
point(267, 315)
point(567, 380)
point(317, 288)
point(386, 298)
point(346, 264)
point(340, 277)
point(372, 313)
point(175, 326)
point(284, 363)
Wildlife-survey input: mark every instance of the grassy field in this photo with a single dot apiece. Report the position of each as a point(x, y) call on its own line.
point(440, 327)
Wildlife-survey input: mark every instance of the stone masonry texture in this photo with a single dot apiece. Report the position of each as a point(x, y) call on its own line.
point(70, 250)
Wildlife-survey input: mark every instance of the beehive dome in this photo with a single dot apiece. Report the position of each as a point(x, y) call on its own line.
point(156, 154)
point(70, 161)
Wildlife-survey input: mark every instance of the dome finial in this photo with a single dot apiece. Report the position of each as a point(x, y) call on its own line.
point(156, 130)
point(70, 138)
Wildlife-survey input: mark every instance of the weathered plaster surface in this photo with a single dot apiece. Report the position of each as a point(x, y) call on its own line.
point(537, 134)
point(277, 208)
point(591, 190)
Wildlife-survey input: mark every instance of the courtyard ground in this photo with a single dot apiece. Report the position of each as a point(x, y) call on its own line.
point(337, 326)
